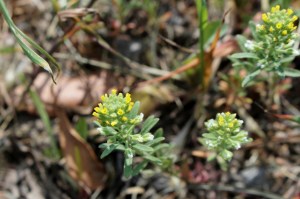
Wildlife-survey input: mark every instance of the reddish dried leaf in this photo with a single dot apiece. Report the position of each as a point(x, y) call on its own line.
point(82, 163)
point(226, 48)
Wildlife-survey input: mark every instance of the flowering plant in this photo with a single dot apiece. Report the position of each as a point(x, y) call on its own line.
point(224, 134)
point(117, 118)
point(272, 47)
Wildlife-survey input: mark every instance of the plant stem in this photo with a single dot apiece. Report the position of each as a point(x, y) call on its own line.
point(272, 79)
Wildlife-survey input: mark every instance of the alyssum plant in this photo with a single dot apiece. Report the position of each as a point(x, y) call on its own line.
point(117, 119)
point(223, 135)
point(272, 47)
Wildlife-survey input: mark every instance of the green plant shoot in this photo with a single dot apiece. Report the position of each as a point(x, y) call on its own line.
point(223, 135)
point(272, 47)
point(117, 119)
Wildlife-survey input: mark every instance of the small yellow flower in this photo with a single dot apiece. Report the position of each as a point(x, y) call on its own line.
point(275, 8)
point(230, 125)
point(130, 106)
point(290, 25)
point(284, 32)
point(279, 25)
point(120, 112)
point(221, 121)
point(104, 97)
point(124, 118)
point(113, 123)
point(97, 109)
point(271, 29)
point(265, 17)
point(95, 114)
point(227, 113)
point(127, 98)
point(103, 111)
point(289, 11)
point(114, 91)
point(294, 18)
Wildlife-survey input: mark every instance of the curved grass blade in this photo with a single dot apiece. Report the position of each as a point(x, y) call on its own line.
point(31, 54)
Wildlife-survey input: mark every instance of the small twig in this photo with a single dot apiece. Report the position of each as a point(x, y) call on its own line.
point(172, 43)
point(190, 65)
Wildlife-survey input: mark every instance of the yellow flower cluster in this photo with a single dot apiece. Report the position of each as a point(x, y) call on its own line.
point(114, 109)
point(278, 23)
point(223, 121)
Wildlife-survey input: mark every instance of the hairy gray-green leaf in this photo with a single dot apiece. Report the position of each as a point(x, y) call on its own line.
point(244, 55)
point(143, 148)
point(291, 72)
point(155, 141)
point(250, 77)
point(109, 148)
point(148, 124)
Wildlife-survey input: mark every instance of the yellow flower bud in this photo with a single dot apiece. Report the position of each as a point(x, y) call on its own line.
point(124, 118)
point(114, 91)
point(289, 11)
point(127, 98)
point(103, 97)
point(95, 114)
point(290, 25)
point(130, 106)
point(221, 121)
point(113, 123)
point(294, 18)
point(265, 17)
point(284, 32)
point(275, 8)
point(97, 109)
point(271, 29)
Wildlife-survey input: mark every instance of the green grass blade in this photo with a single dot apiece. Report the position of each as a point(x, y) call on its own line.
point(39, 48)
point(31, 54)
point(46, 120)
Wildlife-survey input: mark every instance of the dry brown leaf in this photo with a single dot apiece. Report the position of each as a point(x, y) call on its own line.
point(77, 93)
point(226, 48)
point(81, 161)
point(152, 96)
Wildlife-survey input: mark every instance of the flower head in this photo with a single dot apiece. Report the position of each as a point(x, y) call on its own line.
point(278, 24)
point(224, 133)
point(115, 110)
